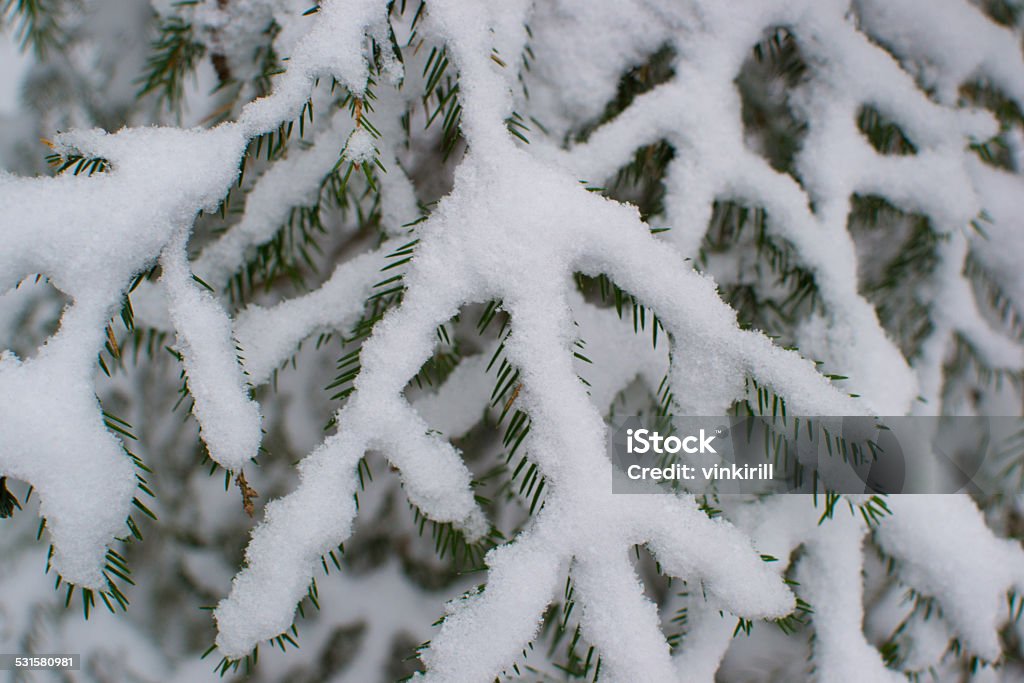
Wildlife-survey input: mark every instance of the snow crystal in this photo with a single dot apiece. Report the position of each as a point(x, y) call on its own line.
point(360, 147)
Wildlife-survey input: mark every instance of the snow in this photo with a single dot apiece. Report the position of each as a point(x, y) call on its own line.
point(476, 245)
point(360, 148)
point(229, 421)
point(698, 112)
point(269, 336)
point(517, 226)
point(91, 236)
point(584, 48)
point(832, 580)
point(961, 563)
point(333, 46)
point(294, 181)
point(983, 48)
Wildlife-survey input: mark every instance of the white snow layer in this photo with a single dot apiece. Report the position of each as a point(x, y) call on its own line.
point(91, 236)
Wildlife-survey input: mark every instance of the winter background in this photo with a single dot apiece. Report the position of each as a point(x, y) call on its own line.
point(312, 317)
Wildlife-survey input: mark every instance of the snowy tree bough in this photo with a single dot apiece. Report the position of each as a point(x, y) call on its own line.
point(482, 243)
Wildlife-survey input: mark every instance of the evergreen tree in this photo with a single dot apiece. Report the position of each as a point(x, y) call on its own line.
point(337, 300)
